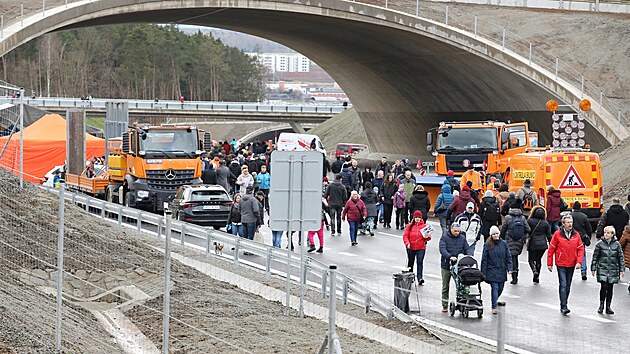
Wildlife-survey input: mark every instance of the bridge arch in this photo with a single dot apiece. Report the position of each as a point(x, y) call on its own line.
point(403, 73)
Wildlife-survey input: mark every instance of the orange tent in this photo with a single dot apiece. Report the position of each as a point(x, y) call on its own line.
point(44, 148)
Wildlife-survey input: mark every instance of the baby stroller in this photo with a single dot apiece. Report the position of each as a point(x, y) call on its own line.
point(466, 273)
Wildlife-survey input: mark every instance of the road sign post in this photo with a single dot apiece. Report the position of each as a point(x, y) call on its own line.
point(295, 202)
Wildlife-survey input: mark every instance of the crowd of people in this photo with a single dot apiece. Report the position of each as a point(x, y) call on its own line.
point(469, 212)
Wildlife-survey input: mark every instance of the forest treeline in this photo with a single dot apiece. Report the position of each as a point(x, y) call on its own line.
point(135, 62)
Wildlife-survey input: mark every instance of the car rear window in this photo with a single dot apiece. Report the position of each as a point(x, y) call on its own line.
point(343, 147)
point(205, 196)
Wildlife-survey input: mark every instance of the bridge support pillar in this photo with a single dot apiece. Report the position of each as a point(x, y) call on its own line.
point(297, 127)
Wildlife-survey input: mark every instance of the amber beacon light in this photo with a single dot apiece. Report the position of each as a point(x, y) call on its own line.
point(552, 105)
point(585, 105)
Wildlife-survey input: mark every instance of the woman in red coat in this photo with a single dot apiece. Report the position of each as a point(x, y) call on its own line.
point(553, 208)
point(416, 243)
point(354, 210)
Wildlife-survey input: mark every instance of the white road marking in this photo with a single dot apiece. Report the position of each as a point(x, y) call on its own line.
point(373, 260)
point(549, 306)
point(510, 296)
point(347, 254)
point(597, 318)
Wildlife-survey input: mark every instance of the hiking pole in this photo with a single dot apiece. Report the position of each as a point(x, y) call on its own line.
point(417, 297)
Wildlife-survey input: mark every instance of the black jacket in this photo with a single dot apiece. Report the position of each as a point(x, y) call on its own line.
point(235, 168)
point(337, 194)
point(336, 166)
point(616, 217)
point(516, 246)
point(235, 214)
point(209, 176)
point(507, 206)
point(582, 226)
point(388, 193)
point(540, 235)
point(420, 201)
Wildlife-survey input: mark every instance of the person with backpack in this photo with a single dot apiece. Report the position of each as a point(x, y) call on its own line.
point(337, 165)
point(450, 179)
point(442, 204)
point(507, 204)
point(460, 202)
point(537, 240)
point(416, 244)
point(528, 197)
point(514, 231)
point(553, 207)
point(615, 216)
point(583, 227)
point(387, 199)
point(489, 212)
point(471, 225)
point(337, 196)
point(370, 199)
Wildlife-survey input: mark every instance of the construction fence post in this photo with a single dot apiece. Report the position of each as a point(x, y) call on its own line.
point(60, 268)
point(167, 282)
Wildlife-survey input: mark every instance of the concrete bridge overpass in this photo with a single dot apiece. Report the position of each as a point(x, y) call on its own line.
point(403, 72)
point(194, 111)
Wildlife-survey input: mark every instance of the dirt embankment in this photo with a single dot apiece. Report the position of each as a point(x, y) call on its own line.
point(208, 316)
point(615, 172)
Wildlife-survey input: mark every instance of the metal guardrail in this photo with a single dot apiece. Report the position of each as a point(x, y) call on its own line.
point(175, 106)
point(346, 285)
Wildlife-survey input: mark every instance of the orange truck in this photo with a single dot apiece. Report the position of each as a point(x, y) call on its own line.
point(575, 172)
point(147, 165)
point(486, 145)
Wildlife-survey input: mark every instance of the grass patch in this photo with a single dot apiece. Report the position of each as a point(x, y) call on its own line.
point(96, 122)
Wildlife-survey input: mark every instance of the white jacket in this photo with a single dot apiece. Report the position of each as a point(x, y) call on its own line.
point(470, 224)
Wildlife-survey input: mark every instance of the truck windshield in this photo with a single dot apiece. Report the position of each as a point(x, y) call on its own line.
point(170, 140)
point(467, 139)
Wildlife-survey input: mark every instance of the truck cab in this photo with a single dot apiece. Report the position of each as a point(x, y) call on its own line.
point(152, 162)
point(486, 145)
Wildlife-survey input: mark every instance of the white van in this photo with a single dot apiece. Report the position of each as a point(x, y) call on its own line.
point(299, 142)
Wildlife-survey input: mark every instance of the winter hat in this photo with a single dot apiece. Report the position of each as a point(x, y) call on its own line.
point(325, 179)
point(417, 214)
point(375, 189)
point(470, 205)
point(401, 187)
point(488, 194)
point(466, 188)
point(455, 193)
point(338, 176)
point(494, 230)
point(450, 173)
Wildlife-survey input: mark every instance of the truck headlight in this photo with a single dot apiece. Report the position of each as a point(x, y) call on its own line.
point(143, 194)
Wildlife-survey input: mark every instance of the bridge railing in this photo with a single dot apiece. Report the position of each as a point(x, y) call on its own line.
point(178, 106)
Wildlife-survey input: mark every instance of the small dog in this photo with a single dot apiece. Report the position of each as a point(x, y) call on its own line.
point(218, 248)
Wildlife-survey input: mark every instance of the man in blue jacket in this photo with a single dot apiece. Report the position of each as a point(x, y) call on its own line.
point(441, 209)
point(451, 245)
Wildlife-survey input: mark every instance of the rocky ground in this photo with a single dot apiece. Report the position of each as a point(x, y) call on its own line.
point(208, 316)
point(615, 172)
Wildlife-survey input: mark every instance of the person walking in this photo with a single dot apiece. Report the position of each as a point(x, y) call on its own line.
point(420, 201)
point(245, 179)
point(460, 202)
point(624, 242)
point(387, 198)
point(615, 216)
point(451, 245)
point(399, 203)
point(450, 179)
point(224, 176)
point(472, 176)
point(471, 225)
point(320, 235)
point(608, 263)
point(515, 230)
point(416, 244)
point(443, 202)
point(263, 180)
point(234, 217)
point(489, 213)
point(568, 251)
point(528, 197)
point(409, 182)
point(553, 207)
point(355, 172)
point(367, 176)
point(537, 241)
point(369, 198)
point(337, 196)
point(496, 264)
point(354, 210)
point(250, 213)
point(583, 227)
